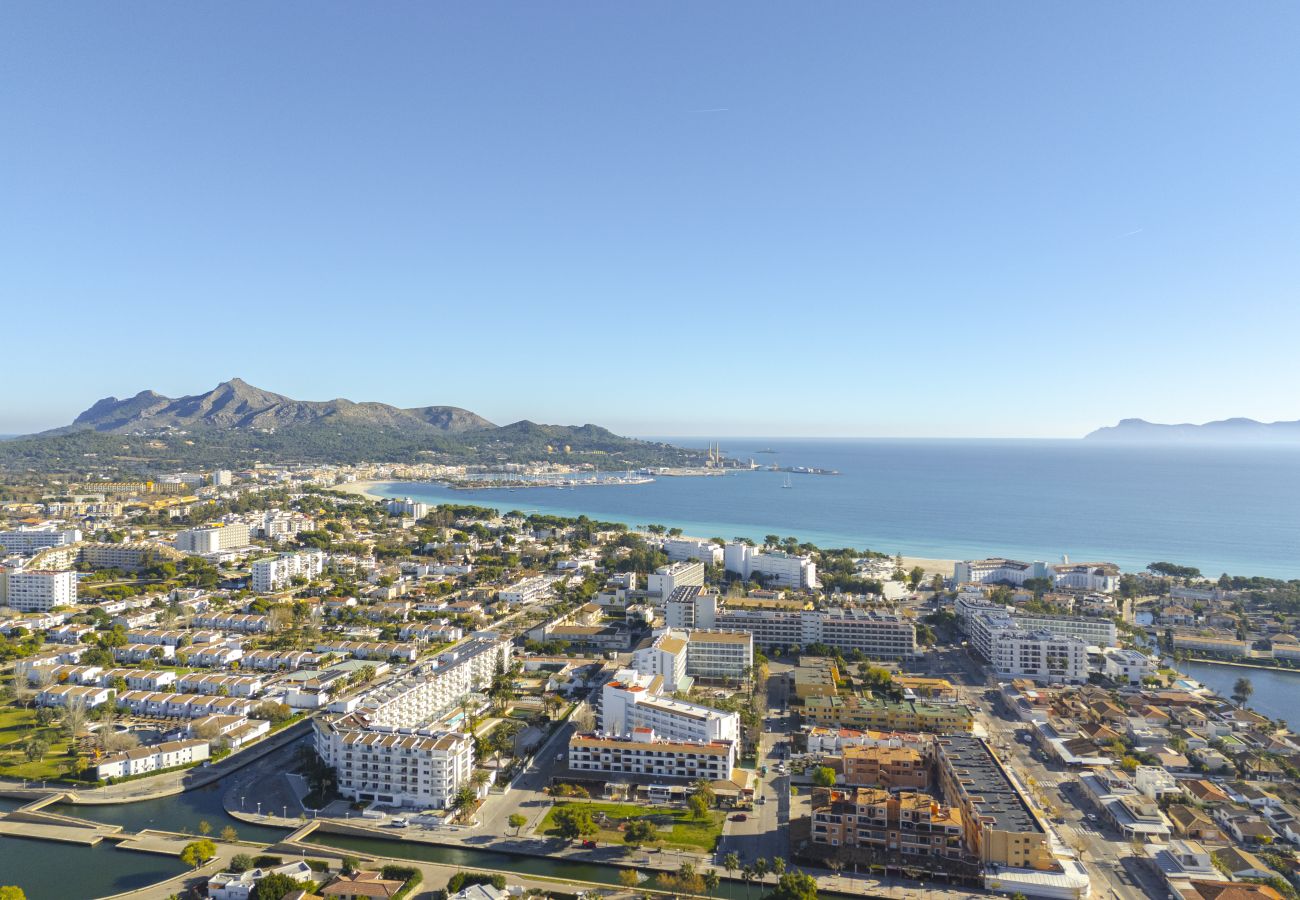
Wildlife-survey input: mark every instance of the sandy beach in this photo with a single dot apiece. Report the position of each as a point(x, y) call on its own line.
point(931, 566)
point(361, 488)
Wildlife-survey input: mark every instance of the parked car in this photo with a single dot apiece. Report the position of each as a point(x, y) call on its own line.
point(589, 844)
point(739, 817)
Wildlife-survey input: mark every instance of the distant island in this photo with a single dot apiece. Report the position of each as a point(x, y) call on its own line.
point(1224, 431)
point(236, 424)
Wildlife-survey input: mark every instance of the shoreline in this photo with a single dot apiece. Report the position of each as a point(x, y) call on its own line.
point(363, 488)
point(1242, 665)
point(367, 489)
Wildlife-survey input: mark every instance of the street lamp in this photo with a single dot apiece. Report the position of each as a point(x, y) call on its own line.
point(259, 807)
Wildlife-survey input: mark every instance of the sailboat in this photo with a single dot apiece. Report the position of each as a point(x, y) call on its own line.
point(787, 484)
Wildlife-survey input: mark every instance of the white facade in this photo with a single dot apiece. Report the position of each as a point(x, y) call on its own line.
point(409, 508)
point(433, 689)
point(222, 478)
point(633, 700)
point(25, 539)
point(1039, 655)
point(681, 549)
point(530, 590)
point(997, 571)
point(781, 569)
point(642, 753)
point(276, 573)
point(212, 538)
point(1128, 666)
point(881, 635)
point(668, 578)
point(408, 768)
point(37, 591)
point(152, 759)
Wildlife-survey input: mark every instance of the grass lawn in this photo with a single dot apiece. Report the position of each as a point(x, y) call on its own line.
point(676, 827)
point(15, 725)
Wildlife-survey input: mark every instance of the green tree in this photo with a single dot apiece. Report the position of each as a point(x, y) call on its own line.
point(794, 886)
point(629, 878)
point(573, 822)
point(640, 831)
point(277, 884)
point(698, 805)
point(35, 748)
point(517, 822)
point(731, 862)
point(229, 834)
point(11, 892)
point(241, 862)
point(824, 777)
point(711, 881)
point(196, 853)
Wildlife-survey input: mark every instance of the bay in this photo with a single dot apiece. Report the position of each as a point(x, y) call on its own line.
point(1277, 692)
point(1232, 509)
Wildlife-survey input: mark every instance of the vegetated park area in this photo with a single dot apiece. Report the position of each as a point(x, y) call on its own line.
point(676, 827)
point(29, 751)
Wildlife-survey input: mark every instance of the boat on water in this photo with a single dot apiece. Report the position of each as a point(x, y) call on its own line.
point(787, 484)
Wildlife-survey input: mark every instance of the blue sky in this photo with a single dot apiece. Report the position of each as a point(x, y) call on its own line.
point(1020, 219)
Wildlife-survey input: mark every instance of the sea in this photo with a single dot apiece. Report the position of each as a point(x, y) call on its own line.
point(1220, 508)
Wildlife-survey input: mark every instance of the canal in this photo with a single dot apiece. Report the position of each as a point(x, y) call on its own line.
point(179, 812)
point(1277, 691)
point(52, 871)
point(522, 864)
point(46, 870)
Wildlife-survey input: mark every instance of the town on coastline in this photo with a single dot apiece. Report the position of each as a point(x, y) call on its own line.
point(378, 677)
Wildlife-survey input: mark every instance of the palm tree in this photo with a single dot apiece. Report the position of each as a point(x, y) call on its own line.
point(747, 874)
point(760, 868)
point(1241, 691)
point(778, 866)
point(479, 780)
point(730, 862)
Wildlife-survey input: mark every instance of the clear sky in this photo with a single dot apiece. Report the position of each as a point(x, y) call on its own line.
point(1022, 219)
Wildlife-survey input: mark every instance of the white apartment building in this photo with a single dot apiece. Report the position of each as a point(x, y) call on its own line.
point(222, 478)
point(30, 539)
point(432, 689)
point(1128, 666)
point(642, 753)
point(530, 590)
point(1102, 577)
point(667, 579)
point(212, 538)
point(85, 696)
point(277, 572)
point(1040, 655)
point(408, 508)
point(633, 700)
point(877, 634)
point(690, 607)
point(224, 685)
point(1096, 632)
point(416, 768)
point(245, 623)
point(1089, 576)
point(997, 570)
point(137, 679)
point(183, 706)
point(715, 653)
point(780, 569)
point(665, 657)
point(276, 524)
point(682, 549)
point(167, 755)
point(37, 590)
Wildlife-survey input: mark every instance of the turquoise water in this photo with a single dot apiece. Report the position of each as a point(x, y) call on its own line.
point(1233, 509)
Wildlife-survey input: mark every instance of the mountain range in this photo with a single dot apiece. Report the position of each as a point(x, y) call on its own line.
point(237, 404)
point(1226, 431)
point(236, 424)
